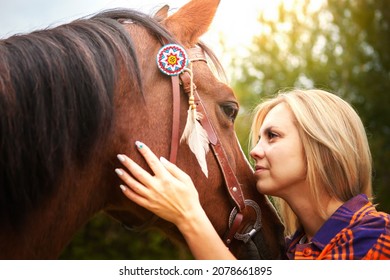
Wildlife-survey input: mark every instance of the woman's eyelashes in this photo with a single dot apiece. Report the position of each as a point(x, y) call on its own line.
point(269, 134)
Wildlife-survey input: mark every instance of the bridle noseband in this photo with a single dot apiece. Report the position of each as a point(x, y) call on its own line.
point(233, 186)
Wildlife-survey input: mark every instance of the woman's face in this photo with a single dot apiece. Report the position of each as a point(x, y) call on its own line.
point(280, 165)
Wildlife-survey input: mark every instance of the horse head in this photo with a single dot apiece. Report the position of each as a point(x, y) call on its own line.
point(219, 107)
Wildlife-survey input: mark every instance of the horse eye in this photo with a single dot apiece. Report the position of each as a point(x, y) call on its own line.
point(230, 110)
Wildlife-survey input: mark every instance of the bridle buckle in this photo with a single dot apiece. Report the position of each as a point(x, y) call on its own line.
point(245, 237)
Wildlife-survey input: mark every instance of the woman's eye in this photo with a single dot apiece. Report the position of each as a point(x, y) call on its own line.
point(271, 135)
point(230, 110)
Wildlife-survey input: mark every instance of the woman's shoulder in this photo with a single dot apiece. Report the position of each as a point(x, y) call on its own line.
point(368, 218)
point(360, 231)
point(372, 236)
point(369, 233)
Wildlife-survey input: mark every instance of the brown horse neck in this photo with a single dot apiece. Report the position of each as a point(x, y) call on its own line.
point(50, 228)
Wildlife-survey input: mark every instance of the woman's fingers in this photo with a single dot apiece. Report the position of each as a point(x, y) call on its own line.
point(133, 184)
point(152, 160)
point(169, 193)
point(174, 170)
point(162, 168)
point(130, 194)
point(137, 171)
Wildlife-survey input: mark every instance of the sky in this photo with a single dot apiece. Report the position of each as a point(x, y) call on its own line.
point(236, 24)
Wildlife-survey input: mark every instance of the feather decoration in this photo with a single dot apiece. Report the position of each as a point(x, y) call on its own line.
point(196, 137)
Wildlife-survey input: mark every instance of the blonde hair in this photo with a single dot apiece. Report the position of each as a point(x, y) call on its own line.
point(335, 146)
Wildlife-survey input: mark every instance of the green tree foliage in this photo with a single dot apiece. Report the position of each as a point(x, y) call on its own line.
point(342, 46)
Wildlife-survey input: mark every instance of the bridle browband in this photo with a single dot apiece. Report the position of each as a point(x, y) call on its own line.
point(233, 186)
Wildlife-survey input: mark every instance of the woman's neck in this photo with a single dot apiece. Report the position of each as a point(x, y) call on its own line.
point(313, 216)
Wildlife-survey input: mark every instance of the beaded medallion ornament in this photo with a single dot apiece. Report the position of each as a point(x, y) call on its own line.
point(172, 59)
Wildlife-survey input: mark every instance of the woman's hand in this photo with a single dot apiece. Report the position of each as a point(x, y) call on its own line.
point(170, 193)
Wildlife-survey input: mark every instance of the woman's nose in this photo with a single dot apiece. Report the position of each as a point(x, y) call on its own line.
point(257, 151)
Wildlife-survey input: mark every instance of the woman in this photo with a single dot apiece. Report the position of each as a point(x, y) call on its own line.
point(311, 153)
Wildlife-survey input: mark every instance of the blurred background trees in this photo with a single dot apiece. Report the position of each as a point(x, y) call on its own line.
point(341, 46)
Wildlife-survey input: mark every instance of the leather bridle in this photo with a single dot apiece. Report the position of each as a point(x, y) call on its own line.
point(239, 211)
point(233, 186)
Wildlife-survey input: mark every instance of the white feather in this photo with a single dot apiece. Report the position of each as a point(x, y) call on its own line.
point(196, 137)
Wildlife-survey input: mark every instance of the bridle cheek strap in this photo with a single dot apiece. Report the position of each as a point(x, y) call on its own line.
point(232, 183)
point(175, 119)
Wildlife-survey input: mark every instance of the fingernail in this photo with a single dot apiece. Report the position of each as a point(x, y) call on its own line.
point(139, 144)
point(119, 172)
point(163, 160)
point(123, 188)
point(121, 158)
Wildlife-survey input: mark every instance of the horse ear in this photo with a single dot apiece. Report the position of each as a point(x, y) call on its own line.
point(192, 20)
point(162, 13)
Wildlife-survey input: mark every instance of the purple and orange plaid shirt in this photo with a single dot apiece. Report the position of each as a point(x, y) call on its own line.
point(355, 231)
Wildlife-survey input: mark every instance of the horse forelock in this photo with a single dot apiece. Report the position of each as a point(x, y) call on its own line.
point(56, 103)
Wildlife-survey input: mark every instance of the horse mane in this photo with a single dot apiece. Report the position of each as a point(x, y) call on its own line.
point(56, 102)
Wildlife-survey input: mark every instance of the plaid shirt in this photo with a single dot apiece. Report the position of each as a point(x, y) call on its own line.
point(355, 231)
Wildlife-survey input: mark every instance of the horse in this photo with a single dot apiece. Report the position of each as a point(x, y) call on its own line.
point(74, 96)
